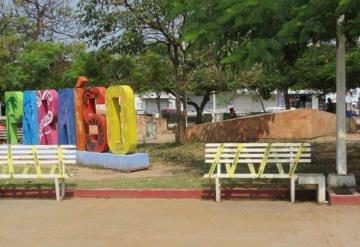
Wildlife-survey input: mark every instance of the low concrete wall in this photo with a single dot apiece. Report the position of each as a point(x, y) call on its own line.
point(293, 124)
point(161, 124)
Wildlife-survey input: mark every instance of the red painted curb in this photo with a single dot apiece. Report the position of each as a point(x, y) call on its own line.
point(245, 193)
point(335, 199)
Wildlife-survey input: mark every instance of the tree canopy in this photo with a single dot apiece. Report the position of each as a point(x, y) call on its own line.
point(181, 47)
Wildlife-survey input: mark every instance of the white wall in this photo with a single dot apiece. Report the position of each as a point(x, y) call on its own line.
point(151, 105)
point(241, 103)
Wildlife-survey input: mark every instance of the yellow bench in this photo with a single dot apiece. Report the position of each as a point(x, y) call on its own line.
point(227, 158)
point(37, 162)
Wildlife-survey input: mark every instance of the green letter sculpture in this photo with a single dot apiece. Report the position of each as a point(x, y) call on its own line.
point(14, 113)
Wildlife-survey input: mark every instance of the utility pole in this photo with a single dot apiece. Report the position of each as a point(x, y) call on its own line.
point(341, 166)
point(342, 178)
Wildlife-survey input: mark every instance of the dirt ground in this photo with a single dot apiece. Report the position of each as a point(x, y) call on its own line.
point(96, 174)
point(132, 222)
point(164, 165)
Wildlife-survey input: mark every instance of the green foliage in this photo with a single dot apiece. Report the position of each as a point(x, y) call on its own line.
point(316, 68)
point(38, 65)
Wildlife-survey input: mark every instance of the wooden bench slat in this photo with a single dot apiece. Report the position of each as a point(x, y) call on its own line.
point(42, 162)
point(40, 156)
point(46, 147)
point(29, 161)
point(257, 144)
point(265, 175)
point(259, 155)
point(256, 150)
point(32, 176)
point(228, 161)
point(21, 152)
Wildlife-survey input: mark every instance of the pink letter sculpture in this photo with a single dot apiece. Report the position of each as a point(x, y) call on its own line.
point(47, 104)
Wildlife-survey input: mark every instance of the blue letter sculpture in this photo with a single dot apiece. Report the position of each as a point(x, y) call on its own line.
point(67, 125)
point(30, 119)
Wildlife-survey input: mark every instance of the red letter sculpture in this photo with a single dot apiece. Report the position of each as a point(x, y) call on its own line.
point(95, 124)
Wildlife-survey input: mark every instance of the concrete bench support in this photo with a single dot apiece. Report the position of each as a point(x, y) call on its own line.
point(317, 179)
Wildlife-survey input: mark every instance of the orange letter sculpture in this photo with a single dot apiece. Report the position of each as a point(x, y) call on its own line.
point(80, 129)
point(95, 124)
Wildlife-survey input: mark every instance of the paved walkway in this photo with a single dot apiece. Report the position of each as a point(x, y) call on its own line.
point(133, 222)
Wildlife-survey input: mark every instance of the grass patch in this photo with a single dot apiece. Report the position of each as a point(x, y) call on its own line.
point(188, 160)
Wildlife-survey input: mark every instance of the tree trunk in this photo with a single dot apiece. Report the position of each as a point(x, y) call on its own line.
point(185, 108)
point(204, 101)
point(180, 129)
point(261, 101)
point(158, 102)
point(286, 98)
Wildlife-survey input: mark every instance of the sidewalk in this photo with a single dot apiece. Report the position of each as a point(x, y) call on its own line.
point(132, 222)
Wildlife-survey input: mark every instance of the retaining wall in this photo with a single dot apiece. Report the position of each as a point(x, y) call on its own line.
point(292, 124)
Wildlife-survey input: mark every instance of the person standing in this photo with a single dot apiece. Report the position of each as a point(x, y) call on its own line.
point(232, 113)
point(330, 106)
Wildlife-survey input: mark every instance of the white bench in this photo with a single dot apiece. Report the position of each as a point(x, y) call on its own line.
point(37, 162)
point(262, 160)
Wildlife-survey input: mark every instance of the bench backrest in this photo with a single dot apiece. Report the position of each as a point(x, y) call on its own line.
point(38, 160)
point(257, 156)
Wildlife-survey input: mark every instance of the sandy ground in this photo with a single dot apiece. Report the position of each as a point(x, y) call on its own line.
point(91, 174)
point(158, 169)
point(132, 222)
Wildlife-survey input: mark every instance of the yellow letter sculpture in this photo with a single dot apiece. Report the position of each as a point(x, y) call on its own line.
point(121, 119)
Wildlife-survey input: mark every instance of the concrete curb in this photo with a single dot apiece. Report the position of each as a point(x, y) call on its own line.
point(207, 194)
point(338, 199)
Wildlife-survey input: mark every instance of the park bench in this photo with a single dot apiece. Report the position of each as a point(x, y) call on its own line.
point(262, 160)
point(37, 162)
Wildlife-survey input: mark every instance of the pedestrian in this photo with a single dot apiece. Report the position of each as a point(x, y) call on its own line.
point(330, 106)
point(232, 113)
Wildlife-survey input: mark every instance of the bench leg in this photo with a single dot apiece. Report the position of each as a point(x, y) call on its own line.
point(57, 189)
point(217, 189)
point(62, 192)
point(292, 188)
point(321, 191)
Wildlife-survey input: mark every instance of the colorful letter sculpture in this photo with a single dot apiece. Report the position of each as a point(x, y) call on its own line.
point(66, 123)
point(30, 119)
point(47, 104)
point(95, 124)
point(80, 127)
point(95, 119)
point(121, 119)
point(14, 113)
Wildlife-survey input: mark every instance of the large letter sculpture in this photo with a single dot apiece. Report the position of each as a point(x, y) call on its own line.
point(14, 112)
point(121, 119)
point(95, 124)
point(47, 103)
point(30, 119)
point(66, 124)
point(80, 128)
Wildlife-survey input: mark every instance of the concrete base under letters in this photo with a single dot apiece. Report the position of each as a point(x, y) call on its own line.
point(124, 163)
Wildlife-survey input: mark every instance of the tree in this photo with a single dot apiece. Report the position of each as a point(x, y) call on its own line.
point(45, 19)
point(38, 65)
point(5, 18)
point(206, 75)
point(315, 69)
point(256, 81)
point(154, 22)
point(272, 33)
point(249, 32)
